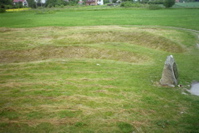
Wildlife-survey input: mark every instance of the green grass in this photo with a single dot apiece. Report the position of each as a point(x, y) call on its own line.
point(184, 18)
point(71, 76)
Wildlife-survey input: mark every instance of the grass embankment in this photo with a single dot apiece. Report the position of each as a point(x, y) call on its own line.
point(95, 79)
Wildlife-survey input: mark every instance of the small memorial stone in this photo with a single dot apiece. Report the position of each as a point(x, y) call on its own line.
point(170, 73)
point(197, 46)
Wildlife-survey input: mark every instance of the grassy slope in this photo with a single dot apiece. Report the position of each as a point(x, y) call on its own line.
point(76, 90)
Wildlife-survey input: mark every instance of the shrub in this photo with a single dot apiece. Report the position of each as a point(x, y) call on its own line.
point(154, 7)
point(156, 2)
point(44, 11)
point(19, 5)
point(62, 6)
point(130, 4)
point(2, 9)
point(8, 6)
point(169, 3)
point(110, 4)
point(72, 3)
point(50, 5)
point(57, 6)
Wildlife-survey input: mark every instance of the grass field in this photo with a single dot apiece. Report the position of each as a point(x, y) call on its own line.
point(80, 71)
point(183, 18)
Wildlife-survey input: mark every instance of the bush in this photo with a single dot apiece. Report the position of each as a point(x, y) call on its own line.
point(41, 10)
point(154, 7)
point(62, 6)
point(72, 3)
point(110, 4)
point(50, 5)
point(169, 3)
point(2, 10)
point(156, 2)
point(19, 5)
point(57, 6)
point(130, 4)
point(8, 6)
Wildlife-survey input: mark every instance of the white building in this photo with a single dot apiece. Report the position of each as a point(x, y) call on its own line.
point(24, 2)
point(100, 2)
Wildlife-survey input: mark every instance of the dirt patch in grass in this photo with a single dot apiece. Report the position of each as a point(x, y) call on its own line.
point(51, 52)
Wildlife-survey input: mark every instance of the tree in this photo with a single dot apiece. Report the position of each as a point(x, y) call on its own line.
point(2, 8)
point(51, 3)
point(31, 3)
point(5, 2)
point(60, 2)
point(169, 3)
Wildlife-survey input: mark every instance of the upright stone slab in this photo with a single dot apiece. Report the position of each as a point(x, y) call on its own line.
point(197, 46)
point(170, 73)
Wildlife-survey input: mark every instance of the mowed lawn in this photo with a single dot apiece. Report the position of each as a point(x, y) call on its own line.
point(84, 70)
point(184, 18)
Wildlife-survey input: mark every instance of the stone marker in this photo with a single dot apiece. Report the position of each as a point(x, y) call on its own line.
point(170, 73)
point(197, 46)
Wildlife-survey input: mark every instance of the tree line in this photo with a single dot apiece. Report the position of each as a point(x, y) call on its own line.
point(8, 4)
